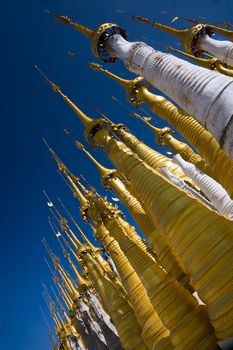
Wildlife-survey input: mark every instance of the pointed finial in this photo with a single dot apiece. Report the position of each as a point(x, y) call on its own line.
point(51, 335)
point(69, 176)
point(82, 29)
point(99, 68)
point(84, 237)
point(98, 37)
point(157, 131)
point(188, 37)
point(81, 115)
point(104, 172)
point(128, 85)
point(209, 63)
point(163, 27)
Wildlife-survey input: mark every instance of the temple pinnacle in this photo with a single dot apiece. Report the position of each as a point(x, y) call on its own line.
point(98, 37)
point(129, 85)
point(81, 115)
point(104, 172)
point(188, 36)
point(82, 29)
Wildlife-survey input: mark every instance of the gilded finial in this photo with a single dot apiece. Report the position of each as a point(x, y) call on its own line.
point(82, 29)
point(129, 85)
point(210, 62)
point(70, 177)
point(98, 36)
point(84, 237)
point(51, 335)
point(104, 172)
point(86, 120)
point(188, 36)
point(159, 133)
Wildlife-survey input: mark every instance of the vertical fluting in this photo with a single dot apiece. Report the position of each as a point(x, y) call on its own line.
point(212, 189)
point(176, 307)
point(137, 294)
point(153, 158)
point(188, 226)
point(204, 94)
point(193, 132)
point(114, 150)
point(115, 302)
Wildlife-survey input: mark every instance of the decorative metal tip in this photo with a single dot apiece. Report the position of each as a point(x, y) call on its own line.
point(79, 145)
point(64, 19)
point(95, 66)
point(168, 47)
point(136, 115)
point(66, 132)
point(143, 19)
point(55, 87)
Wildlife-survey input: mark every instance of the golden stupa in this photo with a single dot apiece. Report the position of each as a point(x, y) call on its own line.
point(171, 288)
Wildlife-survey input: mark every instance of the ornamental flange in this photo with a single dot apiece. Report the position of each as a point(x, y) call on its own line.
point(193, 35)
point(132, 91)
point(106, 178)
point(162, 134)
point(100, 37)
point(92, 129)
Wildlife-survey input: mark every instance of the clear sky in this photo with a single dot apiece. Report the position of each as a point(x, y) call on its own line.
point(30, 111)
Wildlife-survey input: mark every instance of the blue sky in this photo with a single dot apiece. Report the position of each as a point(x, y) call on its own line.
point(30, 111)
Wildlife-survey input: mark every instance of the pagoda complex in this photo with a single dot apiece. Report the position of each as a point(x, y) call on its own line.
point(171, 286)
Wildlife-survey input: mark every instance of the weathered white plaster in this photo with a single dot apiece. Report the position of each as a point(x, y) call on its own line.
point(180, 183)
point(202, 93)
point(211, 188)
point(222, 49)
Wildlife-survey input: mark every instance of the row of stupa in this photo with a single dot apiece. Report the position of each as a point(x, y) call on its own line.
point(173, 289)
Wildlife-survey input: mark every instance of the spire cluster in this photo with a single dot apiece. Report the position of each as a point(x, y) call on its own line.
point(139, 291)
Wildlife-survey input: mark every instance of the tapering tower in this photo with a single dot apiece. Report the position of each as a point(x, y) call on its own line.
point(90, 311)
point(111, 179)
point(220, 165)
point(154, 279)
point(64, 330)
point(115, 302)
point(161, 199)
point(169, 74)
point(152, 328)
point(209, 62)
point(97, 133)
point(197, 39)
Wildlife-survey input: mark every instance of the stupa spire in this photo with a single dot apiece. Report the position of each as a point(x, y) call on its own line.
point(191, 130)
point(80, 114)
point(52, 304)
point(125, 83)
point(81, 281)
point(84, 237)
point(64, 275)
point(109, 289)
point(164, 136)
point(51, 310)
point(66, 298)
point(98, 36)
point(187, 36)
point(65, 171)
point(168, 29)
point(209, 62)
point(104, 172)
point(82, 29)
point(51, 335)
point(128, 85)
